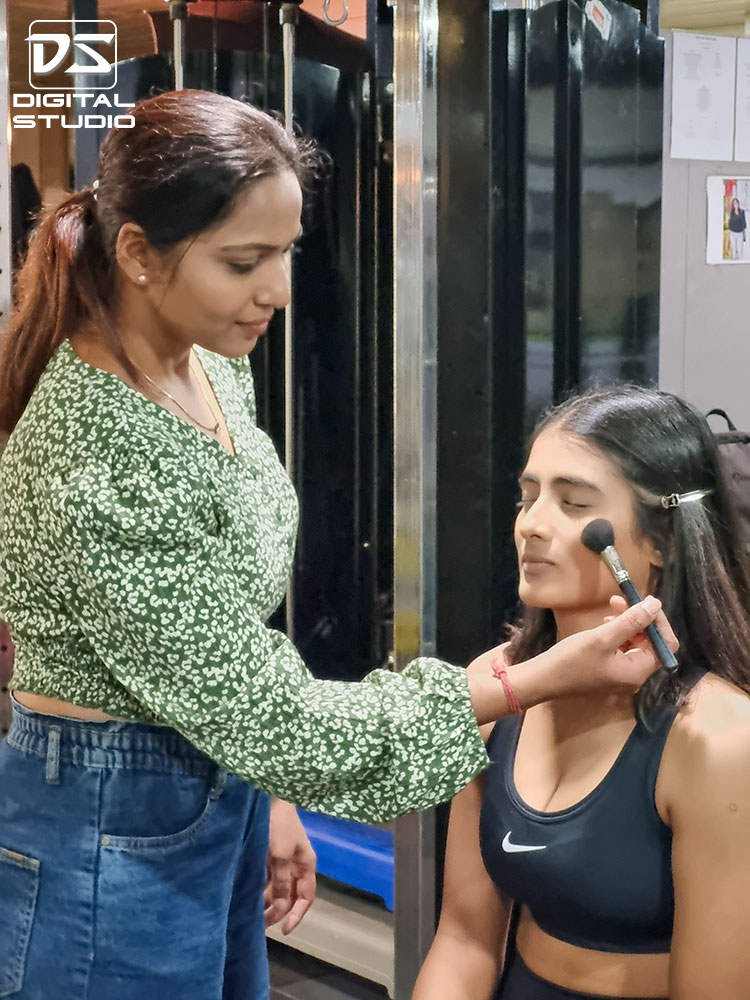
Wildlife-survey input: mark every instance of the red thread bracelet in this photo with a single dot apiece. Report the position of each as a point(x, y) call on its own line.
point(502, 675)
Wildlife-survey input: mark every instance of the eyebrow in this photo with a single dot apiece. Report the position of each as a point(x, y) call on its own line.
point(260, 246)
point(528, 479)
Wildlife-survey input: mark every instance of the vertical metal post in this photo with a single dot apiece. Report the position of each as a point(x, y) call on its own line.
point(652, 16)
point(177, 15)
point(215, 49)
point(289, 17)
point(6, 253)
point(85, 142)
point(266, 54)
point(415, 422)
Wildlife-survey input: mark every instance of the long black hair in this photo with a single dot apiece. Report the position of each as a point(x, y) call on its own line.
point(662, 446)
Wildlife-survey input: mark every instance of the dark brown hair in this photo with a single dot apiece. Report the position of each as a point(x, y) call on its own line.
point(176, 173)
point(663, 445)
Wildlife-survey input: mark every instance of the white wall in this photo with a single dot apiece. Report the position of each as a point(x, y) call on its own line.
point(705, 308)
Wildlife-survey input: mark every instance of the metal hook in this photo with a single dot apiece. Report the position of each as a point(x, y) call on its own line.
point(327, 15)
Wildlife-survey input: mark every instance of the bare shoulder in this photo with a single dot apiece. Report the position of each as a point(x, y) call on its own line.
point(716, 712)
point(708, 750)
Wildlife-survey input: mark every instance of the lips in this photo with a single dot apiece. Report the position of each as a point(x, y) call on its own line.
point(535, 561)
point(533, 567)
point(255, 329)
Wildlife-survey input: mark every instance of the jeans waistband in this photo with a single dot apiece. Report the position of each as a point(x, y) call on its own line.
point(106, 745)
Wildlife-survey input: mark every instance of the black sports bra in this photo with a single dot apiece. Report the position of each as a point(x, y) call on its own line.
point(597, 875)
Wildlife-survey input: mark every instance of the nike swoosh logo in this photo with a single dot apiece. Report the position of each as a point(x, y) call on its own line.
point(510, 848)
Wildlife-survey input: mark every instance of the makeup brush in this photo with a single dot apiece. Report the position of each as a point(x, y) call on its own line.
point(599, 536)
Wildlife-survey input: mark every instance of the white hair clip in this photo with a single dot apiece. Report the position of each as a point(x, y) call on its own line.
point(677, 499)
point(95, 187)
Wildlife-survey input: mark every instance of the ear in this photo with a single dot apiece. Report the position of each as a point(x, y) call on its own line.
point(655, 556)
point(136, 256)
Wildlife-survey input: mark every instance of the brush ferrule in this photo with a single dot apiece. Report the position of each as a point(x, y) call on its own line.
point(610, 556)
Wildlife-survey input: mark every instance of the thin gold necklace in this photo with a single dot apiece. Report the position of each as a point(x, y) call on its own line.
point(206, 427)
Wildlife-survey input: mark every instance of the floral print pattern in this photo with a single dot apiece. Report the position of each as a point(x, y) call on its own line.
point(139, 563)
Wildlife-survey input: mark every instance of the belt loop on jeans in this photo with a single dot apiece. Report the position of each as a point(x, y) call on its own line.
point(219, 782)
point(52, 771)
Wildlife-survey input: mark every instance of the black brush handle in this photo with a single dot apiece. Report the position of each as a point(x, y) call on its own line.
point(665, 654)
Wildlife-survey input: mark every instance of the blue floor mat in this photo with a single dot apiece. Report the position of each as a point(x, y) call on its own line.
point(353, 853)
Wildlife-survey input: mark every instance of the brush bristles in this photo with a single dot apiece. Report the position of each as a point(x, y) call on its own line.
point(598, 535)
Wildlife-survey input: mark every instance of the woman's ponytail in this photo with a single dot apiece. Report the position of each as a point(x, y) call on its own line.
point(66, 281)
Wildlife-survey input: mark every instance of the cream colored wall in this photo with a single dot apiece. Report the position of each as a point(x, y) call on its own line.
point(730, 17)
point(704, 347)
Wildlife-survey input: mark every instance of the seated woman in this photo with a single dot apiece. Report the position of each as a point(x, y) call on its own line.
point(620, 828)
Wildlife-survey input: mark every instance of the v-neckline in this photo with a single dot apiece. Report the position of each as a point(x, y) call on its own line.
point(112, 377)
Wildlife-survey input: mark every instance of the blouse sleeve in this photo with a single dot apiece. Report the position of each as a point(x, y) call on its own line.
point(150, 582)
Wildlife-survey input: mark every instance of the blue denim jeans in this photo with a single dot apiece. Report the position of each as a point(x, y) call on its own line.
point(131, 867)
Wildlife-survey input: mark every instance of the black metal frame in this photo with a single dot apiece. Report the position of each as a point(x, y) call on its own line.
point(516, 248)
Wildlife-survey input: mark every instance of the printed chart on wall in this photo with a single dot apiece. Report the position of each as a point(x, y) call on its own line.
point(703, 96)
point(710, 97)
point(742, 121)
point(728, 212)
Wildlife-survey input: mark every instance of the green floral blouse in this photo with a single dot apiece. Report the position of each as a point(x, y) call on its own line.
point(139, 563)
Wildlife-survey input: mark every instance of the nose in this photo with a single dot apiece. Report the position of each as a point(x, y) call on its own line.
point(274, 288)
point(533, 521)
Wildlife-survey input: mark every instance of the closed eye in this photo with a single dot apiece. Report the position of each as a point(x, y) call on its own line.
point(243, 268)
point(247, 267)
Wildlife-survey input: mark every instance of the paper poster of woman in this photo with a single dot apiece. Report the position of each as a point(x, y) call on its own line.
point(727, 239)
point(735, 222)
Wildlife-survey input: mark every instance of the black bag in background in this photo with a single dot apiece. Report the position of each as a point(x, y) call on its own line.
point(734, 453)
